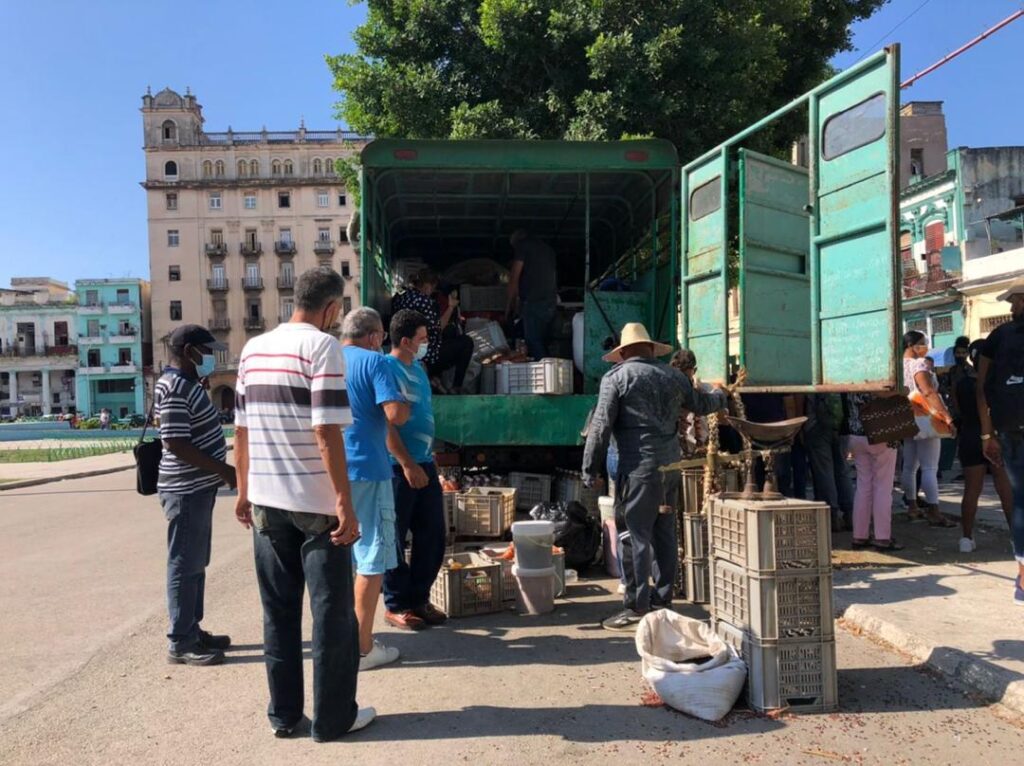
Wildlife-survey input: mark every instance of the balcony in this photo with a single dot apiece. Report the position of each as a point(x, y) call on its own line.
point(219, 285)
point(323, 247)
point(283, 247)
point(21, 351)
point(252, 283)
point(91, 308)
point(128, 367)
point(97, 369)
point(64, 350)
point(121, 308)
point(124, 335)
point(250, 248)
point(220, 324)
point(255, 323)
point(90, 340)
point(218, 249)
point(286, 283)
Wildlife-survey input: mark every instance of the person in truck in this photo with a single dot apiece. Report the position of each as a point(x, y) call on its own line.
point(639, 404)
point(533, 284)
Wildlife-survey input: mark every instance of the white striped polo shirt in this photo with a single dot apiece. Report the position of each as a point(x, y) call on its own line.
point(289, 380)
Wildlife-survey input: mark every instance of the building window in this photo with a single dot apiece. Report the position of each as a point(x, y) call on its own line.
point(123, 298)
point(988, 324)
point(329, 166)
point(207, 168)
point(250, 201)
point(92, 328)
point(216, 236)
point(318, 166)
point(215, 202)
point(172, 200)
point(254, 168)
point(92, 358)
point(60, 333)
point(288, 167)
point(171, 170)
point(286, 236)
point(255, 309)
point(243, 168)
point(252, 273)
point(287, 309)
point(934, 237)
point(917, 162)
point(172, 238)
point(124, 356)
point(217, 275)
point(175, 311)
point(919, 325)
point(323, 234)
point(174, 273)
point(275, 168)
point(287, 271)
point(170, 130)
point(218, 168)
point(942, 323)
point(284, 199)
point(343, 234)
point(323, 199)
point(346, 304)
point(116, 386)
point(346, 269)
point(250, 239)
point(342, 200)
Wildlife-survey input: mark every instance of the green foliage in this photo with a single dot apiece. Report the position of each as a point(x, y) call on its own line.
point(692, 71)
point(63, 452)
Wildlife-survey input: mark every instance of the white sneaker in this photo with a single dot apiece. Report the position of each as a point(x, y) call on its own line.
point(379, 655)
point(364, 717)
point(967, 545)
point(622, 588)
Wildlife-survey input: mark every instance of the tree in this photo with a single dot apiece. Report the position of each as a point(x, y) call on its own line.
point(692, 71)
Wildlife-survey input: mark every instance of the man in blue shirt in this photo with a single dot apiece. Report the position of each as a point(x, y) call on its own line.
point(376, 402)
point(419, 503)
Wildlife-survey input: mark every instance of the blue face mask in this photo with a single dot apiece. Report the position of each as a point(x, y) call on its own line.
point(206, 366)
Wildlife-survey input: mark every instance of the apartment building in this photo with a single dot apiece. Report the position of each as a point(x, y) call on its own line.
point(38, 347)
point(234, 217)
point(113, 346)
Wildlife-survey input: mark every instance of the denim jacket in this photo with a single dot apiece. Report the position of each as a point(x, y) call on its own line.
point(639, 403)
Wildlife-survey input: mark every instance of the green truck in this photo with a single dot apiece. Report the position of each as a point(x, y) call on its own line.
point(787, 269)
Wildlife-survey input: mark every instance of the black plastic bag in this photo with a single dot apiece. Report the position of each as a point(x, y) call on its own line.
point(576, 532)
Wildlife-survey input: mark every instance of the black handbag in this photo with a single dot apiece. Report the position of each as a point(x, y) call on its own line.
point(147, 459)
point(888, 419)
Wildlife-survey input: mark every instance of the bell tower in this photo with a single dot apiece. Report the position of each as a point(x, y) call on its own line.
point(171, 120)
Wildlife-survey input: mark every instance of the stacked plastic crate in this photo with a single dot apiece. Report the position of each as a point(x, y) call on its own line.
point(771, 598)
point(692, 534)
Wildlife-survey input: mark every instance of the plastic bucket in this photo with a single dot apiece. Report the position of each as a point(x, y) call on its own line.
point(607, 507)
point(533, 541)
point(536, 591)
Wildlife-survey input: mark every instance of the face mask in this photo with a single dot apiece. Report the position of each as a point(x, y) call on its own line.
point(206, 366)
point(421, 352)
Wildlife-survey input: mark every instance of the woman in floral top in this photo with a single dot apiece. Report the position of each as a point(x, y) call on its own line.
point(443, 352)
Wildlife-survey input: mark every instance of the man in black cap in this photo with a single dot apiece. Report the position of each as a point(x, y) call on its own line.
point(191, 470)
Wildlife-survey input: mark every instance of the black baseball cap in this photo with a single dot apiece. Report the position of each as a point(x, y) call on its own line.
point(194, 335)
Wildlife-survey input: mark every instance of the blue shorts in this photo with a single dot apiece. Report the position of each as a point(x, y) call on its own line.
point(375, 551)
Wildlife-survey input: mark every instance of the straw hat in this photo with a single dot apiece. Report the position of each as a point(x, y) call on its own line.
point(632, 334)
point(1016, 288)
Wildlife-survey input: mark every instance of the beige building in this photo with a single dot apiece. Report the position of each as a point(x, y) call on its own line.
point(234, 217)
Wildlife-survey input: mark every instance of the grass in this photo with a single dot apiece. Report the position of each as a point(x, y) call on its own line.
point(61, 452)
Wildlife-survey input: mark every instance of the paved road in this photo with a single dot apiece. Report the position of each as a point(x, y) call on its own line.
point(85, 681)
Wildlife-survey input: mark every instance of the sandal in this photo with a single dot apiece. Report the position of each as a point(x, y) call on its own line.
point(915, 514)
point(860, 545)
point(888, 546)
point(935, 518)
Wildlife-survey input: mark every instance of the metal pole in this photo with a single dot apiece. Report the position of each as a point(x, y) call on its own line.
point(963, 48)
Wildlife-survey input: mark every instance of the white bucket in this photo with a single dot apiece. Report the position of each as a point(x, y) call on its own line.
point(536, 591)
point(533, 541)
point(607, 507)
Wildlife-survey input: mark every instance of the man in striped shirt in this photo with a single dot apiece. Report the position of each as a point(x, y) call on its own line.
point(291, 405)
point(191, 469)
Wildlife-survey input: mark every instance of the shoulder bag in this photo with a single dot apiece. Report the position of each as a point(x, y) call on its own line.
point(147, 459)
point(888, 419)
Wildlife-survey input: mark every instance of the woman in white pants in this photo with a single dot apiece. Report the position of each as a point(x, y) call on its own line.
point(924, 452)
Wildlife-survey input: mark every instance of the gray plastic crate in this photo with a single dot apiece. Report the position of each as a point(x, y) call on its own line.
point(695, 535)
point(697, 576)
point(569, 488)
point(771, 535)
point(789, 605)
point(798, 675)
point(531, 488)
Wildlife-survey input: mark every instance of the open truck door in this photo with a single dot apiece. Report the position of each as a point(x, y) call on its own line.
point(806, 255)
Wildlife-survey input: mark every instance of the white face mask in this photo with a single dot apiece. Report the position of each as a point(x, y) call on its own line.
point(421, 352)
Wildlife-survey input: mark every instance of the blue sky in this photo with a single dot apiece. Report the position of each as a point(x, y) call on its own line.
point(73, 74)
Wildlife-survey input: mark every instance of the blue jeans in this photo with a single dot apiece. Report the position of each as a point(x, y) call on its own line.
point(1013, 459)
point(189, 528)
point(420, 511)
point(537, 320)
point(293, 551)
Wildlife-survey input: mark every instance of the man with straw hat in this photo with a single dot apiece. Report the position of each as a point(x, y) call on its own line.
point(639, 405)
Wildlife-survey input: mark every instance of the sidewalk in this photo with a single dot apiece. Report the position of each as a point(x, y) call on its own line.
point(951, 611)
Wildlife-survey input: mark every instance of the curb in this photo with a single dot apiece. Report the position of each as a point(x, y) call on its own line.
point(992, 682)
point(64, 477)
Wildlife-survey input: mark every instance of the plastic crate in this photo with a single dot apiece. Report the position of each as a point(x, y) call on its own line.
point(798, 675)
point(691, 496)
point(474, 298)
point(569, 488)
point(473, 589)
point(697, 575)
point(448, 503)
point(548, 376)
point(485, 511)
point(488, 340)
point(531, 488)
point(771, 535)
point(695, 535)
point(508, 580)
point(794, 605)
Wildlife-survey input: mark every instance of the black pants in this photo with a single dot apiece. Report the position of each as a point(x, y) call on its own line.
point(294, 550)
point(420, 511)
point(647, 539)
point(455, 352)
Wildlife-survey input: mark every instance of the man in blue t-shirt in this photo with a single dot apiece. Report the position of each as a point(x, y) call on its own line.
point(376, 403)
point(419, 503)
